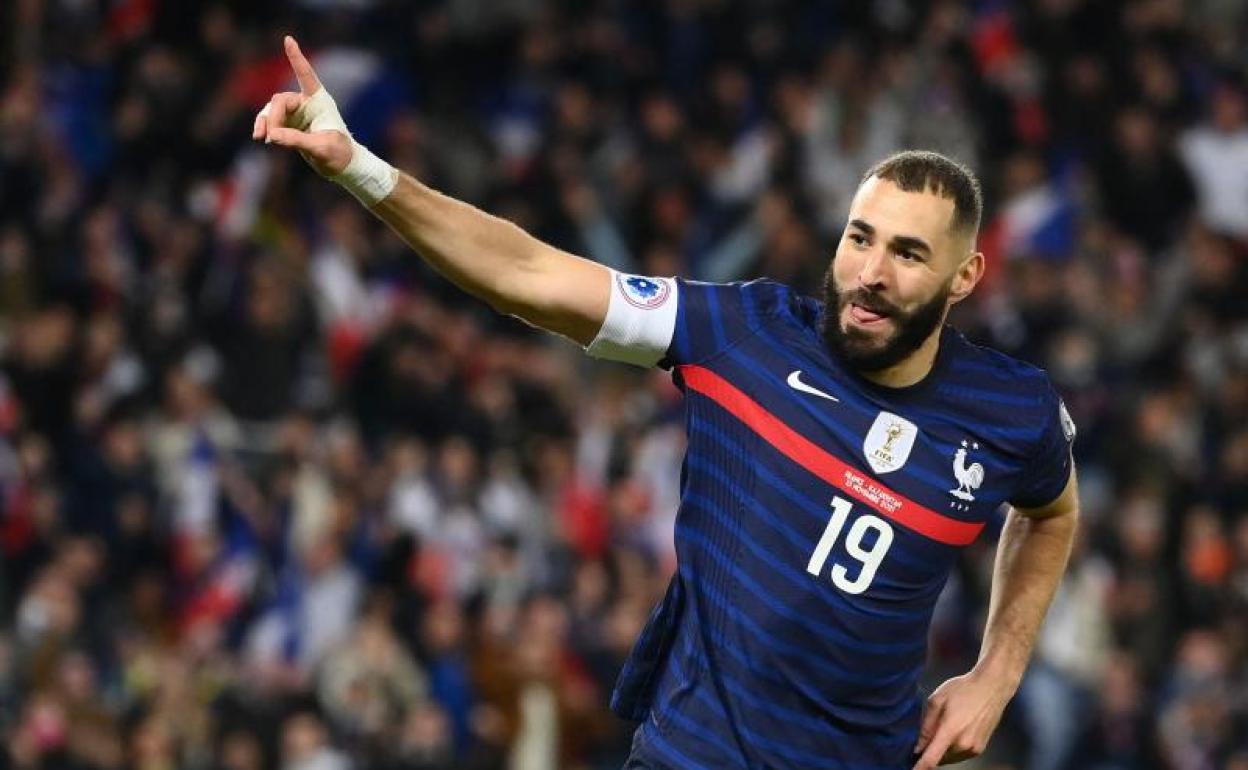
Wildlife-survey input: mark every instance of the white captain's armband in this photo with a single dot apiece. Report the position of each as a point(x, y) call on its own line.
point(641, 320)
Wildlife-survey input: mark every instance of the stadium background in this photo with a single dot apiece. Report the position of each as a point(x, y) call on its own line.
point(274, 495)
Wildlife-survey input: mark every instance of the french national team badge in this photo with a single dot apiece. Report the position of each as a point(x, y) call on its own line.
point(646, 293)
point(888, 443)
point(969, 477)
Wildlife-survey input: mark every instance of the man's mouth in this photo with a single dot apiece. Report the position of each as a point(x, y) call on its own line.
point(864, 315)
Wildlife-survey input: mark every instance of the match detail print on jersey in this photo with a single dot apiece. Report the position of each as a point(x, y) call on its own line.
point(826, 466)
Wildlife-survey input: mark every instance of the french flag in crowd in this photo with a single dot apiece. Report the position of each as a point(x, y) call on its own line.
point(1038, 223)
point(234, 200)
point(223, 588)
point(217, 561)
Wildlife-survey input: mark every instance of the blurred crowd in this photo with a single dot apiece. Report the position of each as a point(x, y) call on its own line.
point(274, 495)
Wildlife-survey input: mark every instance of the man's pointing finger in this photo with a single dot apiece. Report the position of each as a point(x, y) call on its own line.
point(309, 83)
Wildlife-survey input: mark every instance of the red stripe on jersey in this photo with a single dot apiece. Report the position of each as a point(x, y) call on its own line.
point(801, 450)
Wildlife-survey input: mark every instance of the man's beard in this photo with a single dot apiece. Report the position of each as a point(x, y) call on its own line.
point(864, 352)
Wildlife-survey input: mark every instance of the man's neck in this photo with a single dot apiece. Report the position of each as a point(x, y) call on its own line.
point(911, 369)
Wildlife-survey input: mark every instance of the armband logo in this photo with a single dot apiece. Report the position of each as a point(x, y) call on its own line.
point(642, 292)
point(1068, 425)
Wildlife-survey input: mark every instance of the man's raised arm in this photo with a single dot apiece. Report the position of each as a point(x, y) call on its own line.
point(488, 257)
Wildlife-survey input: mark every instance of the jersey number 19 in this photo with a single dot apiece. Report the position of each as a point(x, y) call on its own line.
point(868, 556)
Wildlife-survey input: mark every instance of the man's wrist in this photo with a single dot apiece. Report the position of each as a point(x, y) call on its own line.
point(369, 178)
point(1000, 669)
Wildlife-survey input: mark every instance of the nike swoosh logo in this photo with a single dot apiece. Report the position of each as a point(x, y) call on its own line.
point(795, 382)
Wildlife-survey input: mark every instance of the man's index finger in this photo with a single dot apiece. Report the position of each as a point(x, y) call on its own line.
point(309, 83)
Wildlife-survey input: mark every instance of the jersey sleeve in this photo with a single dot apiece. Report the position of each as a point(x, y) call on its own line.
point(1049, 471)
point(713, 317)
point(673, 321)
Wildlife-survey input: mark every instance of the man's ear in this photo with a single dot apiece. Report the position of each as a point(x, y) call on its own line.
point(967, 276)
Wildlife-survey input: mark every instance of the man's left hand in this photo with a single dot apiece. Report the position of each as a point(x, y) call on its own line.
point(960, 717)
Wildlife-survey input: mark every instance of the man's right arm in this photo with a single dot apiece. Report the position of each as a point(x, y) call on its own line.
point(488, 257)
point(498, 262)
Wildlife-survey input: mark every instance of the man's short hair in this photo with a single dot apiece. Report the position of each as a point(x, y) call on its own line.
point(923, 170)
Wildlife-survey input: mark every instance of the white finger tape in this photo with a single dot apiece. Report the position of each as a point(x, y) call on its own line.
point(319, 113)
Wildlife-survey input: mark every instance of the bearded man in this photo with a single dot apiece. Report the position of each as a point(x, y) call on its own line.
point(841, 453)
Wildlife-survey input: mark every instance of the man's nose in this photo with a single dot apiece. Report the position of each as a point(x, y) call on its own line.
point(873, 273)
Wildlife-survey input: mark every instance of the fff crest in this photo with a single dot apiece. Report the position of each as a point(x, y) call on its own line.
point(888, 443)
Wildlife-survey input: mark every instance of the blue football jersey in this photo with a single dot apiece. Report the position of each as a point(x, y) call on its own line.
point(820, 516)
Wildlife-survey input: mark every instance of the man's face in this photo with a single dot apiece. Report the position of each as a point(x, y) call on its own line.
point(895, 270)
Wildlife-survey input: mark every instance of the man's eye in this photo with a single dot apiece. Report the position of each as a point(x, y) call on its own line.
point(856, 239)
point(909, 256)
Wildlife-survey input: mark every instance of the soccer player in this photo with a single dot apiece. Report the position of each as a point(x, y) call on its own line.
point(840, 454)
